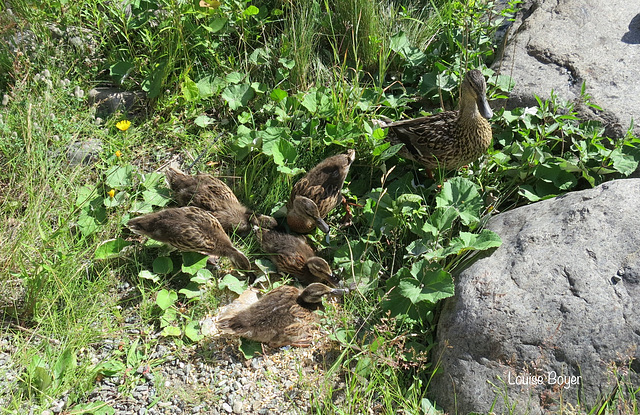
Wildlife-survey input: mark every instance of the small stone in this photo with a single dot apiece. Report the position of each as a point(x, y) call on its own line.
point(5, 100)
point(46, 73)
point(226, 407)
point(237, 407)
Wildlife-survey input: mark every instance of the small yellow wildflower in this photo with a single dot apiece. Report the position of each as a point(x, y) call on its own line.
point(123, 125)
point(118, 154)
point(111, 193)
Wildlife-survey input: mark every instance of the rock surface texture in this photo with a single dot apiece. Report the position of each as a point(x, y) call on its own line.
point(558, 304)
point(559, 44)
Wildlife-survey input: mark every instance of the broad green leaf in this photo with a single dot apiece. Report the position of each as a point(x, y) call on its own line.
point(235, 77)
point(202, 276)
point(278, 94)
point(192, 332)
point(282, 151)
point(41, 378)
point(168, 317)
point(232, 284)
point(110, 248)
point(156, 197)
point(528, 192)
point(310, 102)
point(190, 90)
point(251, 11)
point(152, 83)
point(67, 361)
point(85, 195)
point(250, 348)
point(623, 163)
point(148, 275)
point(462, 195)
point(192, 262)
point(486, 239)
point(238, 95)
point(192, 290)
point(172, 331)
point(121, 70)
point(153, 180)
point(216, 25)
point(166, 299)
point(110, 368)
point(134, 356)
point(203, 121)
point(118, 177)
point(162, 265)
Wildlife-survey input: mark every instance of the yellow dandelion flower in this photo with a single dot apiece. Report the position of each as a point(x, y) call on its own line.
point(123, 125)
point(111, 193)
point(118, 154)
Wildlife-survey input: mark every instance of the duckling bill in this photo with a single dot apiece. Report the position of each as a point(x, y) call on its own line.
point(450, 139)
point(284, 316)
point(189, 229)
point(212, 194)
point(319, 191)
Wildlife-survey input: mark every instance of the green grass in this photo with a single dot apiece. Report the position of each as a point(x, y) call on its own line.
point(262, 92)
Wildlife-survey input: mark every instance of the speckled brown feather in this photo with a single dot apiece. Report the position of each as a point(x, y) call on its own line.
point(212, 194)
point(293, 255)
point(449, 139)
point(190, 229)
point(283, 316)
point(322, 185)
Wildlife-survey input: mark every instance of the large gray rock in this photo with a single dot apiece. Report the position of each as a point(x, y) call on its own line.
point(559, 44)
point(560, 297)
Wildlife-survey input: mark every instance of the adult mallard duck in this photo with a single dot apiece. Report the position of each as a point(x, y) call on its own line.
point(284, 316)
point(449, 139)
point(319, 191)
point(189, 229)
point(212, 194)
point(293, 255)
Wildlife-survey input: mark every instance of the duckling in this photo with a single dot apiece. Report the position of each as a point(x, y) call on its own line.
point(450, 139)
point(293, 255)
point(189, 229)
point(313, 196)
point(284, 316)
point(212, 194)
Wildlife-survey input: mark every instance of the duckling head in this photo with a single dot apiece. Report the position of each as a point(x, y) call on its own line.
point(313, 294)
point(239, 260)
point(474, 90)
point(305, 216)
point(321, 270)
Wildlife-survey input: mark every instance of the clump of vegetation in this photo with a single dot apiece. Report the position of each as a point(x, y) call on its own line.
point(262, 91)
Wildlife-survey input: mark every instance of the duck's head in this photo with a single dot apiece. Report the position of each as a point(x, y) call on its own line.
point(304, 216)
point(474, 89)
point(320, 269)
point(314, 292)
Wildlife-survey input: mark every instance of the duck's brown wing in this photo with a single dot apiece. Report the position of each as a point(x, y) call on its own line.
point(426, 139)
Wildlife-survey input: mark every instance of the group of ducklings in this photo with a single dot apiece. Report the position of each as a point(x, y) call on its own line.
point(210, 211)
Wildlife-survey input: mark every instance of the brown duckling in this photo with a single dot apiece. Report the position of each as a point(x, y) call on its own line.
point(450, 139)
point(293, 255)
point(284, 316)
point(313, 196)
point(212, 194)
point(189, 229)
